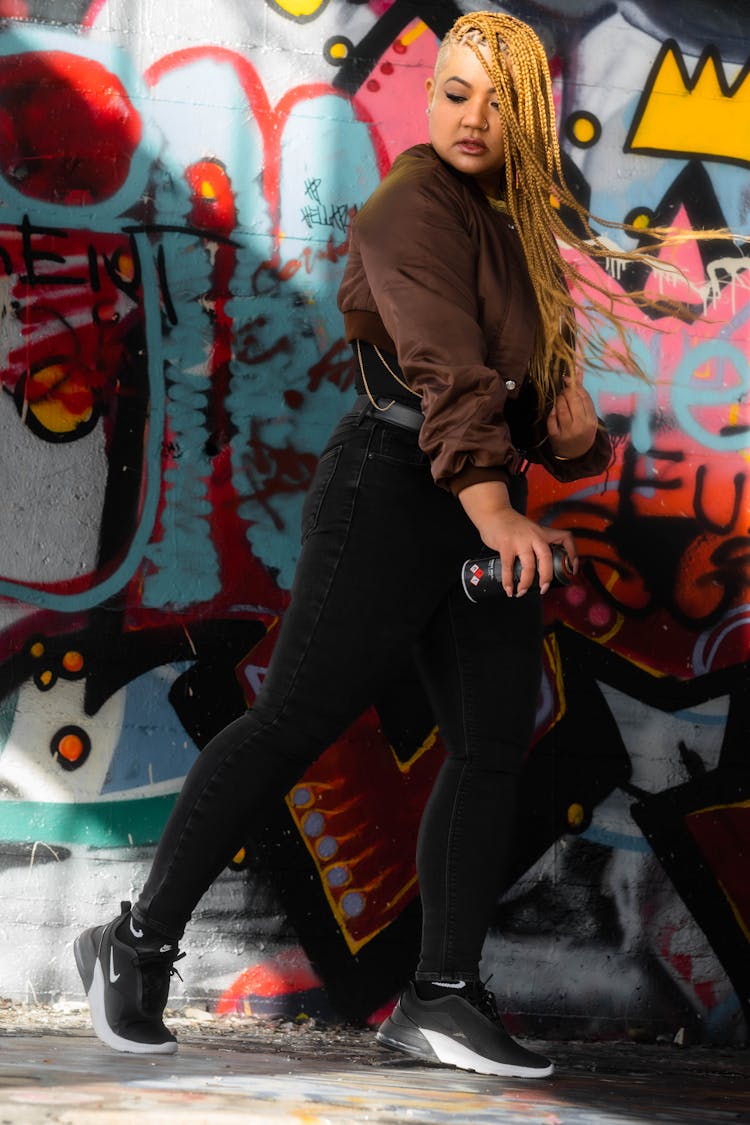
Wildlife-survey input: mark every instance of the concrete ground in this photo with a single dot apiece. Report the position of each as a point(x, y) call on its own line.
point(52, 1069)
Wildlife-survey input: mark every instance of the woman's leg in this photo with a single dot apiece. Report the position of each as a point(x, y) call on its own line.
point(366, 582)
point(481, 665)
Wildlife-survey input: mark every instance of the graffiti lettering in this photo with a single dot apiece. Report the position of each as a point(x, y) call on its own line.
point(312, 189)
point(31, 256)
point(250, 351)
point(737, 491)
point(40, 245)
point(333, 215)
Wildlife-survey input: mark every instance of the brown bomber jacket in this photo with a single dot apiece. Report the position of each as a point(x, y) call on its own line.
point(438, 277)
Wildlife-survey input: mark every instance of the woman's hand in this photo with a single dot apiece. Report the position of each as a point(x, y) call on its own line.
point(572, 422)
point(513, 536)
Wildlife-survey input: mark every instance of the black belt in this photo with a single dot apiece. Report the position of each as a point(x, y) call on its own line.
point(389, 410)
point(398, 414)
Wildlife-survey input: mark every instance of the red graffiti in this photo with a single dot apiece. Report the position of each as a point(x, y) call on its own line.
point(266, 985)
point(68, 130)
point(723, 835)
point(270, 120)
point(14, 9)
point(349, 829)
point(213, 197)
point(77, 297)
point(337, 366)
point(214, 210)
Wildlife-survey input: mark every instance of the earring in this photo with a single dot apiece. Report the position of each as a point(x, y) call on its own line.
point(427, 111)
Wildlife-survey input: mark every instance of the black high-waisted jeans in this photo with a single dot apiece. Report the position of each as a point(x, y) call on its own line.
point(378, 576)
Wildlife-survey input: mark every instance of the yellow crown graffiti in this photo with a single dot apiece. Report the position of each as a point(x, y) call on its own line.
point(699, 116)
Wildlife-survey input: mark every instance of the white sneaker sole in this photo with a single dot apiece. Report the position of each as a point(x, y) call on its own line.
point(454, 1054)
point(95, 997)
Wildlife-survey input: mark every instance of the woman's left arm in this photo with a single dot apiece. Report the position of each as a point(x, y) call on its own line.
point(572, 423)
point(571, 442)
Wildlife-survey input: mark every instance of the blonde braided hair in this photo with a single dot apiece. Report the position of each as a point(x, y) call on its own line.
point(535, 194)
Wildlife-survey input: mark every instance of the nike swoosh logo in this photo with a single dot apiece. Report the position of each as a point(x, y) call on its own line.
point(134, 932)
point(113, 976)
point(165, 948)
point(450, 984)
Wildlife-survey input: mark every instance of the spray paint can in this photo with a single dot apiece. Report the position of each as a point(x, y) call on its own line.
point(482, 577)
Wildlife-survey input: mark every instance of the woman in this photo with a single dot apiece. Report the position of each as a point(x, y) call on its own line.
point(454, 298)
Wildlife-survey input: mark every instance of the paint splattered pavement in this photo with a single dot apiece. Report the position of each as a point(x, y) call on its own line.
point(53, 1070)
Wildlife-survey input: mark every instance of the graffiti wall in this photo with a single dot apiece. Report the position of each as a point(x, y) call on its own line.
point(176, 186)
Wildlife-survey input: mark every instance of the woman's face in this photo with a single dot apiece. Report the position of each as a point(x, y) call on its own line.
point(466, 129)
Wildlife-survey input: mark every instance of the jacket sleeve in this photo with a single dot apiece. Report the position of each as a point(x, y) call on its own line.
point(529, 432)
point(590, 464)
point(417, 249)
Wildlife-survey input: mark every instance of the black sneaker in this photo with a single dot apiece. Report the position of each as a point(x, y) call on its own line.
point(127, 988)
point(463, 1031)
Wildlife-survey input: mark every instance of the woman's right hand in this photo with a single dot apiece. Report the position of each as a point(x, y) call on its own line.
point(513, 536)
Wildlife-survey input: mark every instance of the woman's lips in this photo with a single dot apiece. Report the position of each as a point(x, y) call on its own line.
point(472, 148)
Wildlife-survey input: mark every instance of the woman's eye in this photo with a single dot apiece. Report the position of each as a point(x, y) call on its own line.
point(455, 97)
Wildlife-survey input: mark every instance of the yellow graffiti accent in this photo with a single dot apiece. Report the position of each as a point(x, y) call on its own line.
point(698, 116)
point(619, 622)
point(735, 419)
point(428, 743)
point(735, 910)
point(64, 403)
point(300, 9)
point(413, 33)
point(721, 808)
point(583, 130)
point(741, 921)
point(576, 815)
point(552, 653)
point(124, 265)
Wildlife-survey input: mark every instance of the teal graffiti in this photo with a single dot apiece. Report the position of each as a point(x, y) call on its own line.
point(691, 392)
point(185, 541)
point(639, 396)
point(96, 824)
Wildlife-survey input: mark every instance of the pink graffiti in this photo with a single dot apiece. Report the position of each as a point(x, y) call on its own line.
point(691, 468)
